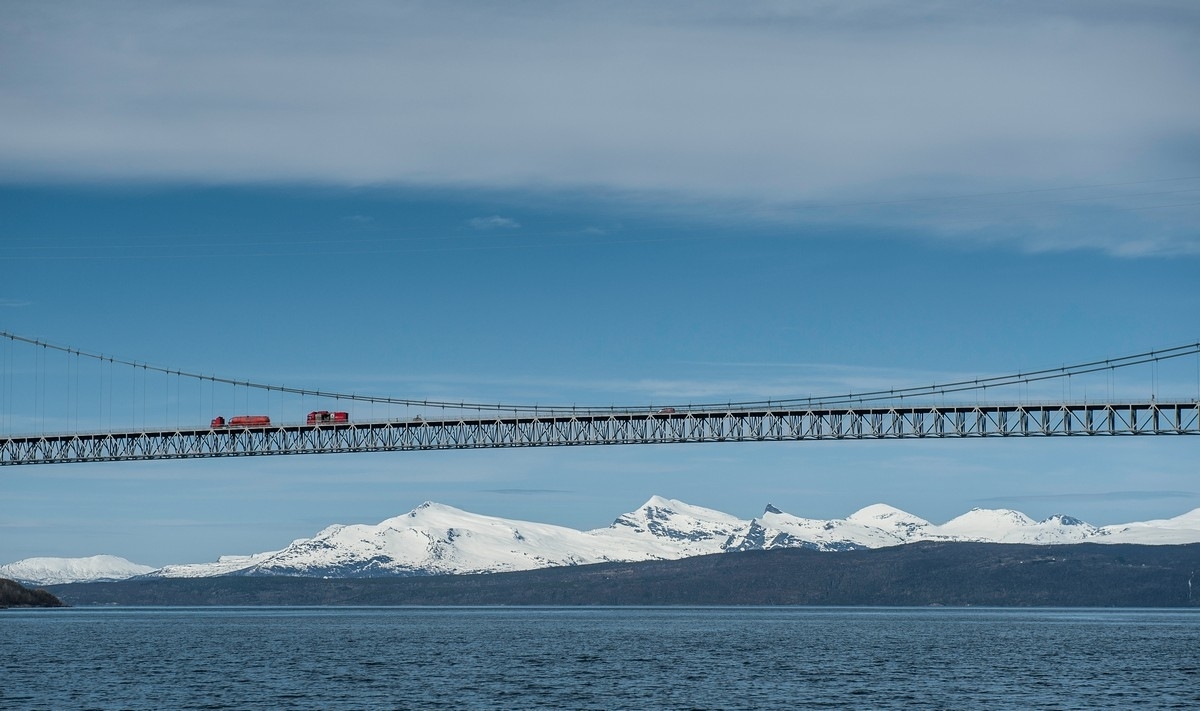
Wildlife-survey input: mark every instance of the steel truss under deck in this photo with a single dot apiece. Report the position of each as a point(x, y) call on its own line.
point(561, 429)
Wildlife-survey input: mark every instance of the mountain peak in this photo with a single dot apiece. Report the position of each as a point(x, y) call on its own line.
point(430, 509)
point(883, 512)
point(662, 502)
point(697, 530)
point(1004, 518)
point(661, 508)
point(1063, 520)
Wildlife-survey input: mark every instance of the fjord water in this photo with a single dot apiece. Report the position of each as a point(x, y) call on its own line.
point(598, 658)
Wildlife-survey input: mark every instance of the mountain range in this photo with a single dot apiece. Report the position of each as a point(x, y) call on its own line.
point(435, 539)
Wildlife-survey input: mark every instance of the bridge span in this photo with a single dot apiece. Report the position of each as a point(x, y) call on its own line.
point(591, 427)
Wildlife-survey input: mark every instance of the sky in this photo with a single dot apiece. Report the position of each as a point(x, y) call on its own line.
point(594, 204)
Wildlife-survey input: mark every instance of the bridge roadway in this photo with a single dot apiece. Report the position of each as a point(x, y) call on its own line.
point(593, 427)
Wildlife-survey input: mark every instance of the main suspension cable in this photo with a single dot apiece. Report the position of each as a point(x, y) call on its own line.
point(847, 399)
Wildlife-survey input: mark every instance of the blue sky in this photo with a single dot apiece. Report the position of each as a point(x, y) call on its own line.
point(560, 203)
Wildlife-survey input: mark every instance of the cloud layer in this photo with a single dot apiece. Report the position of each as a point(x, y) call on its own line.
point(800, 111)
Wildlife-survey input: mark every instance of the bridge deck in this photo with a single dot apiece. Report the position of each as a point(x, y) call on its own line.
point(564, 429)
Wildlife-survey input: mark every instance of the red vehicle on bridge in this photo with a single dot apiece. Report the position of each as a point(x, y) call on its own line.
point(241, 421)
point(323, 417)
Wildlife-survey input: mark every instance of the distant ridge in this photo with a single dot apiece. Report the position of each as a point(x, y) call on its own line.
point(47, 571)
point(922, 574)
point(436, 539)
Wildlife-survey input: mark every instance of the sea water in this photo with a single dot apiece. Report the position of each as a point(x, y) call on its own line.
point(598, 658)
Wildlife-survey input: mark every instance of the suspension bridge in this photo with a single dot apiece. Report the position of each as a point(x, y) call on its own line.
point(60, 405)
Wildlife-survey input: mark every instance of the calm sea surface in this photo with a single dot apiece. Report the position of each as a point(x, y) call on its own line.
point(587, 658)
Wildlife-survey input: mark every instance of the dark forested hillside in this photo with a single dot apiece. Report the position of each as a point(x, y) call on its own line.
point(958, 574)
point(13, 594)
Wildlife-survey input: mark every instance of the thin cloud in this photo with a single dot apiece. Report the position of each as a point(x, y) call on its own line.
point(1095, 497)
point(760, 110)
point(525, 492)
point(495, 222)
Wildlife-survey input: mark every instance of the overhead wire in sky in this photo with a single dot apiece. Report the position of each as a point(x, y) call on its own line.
point(891, 395)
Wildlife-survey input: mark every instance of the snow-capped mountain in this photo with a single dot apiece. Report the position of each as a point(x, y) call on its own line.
point(1008, 526)
point(1171, 531)
point(891, 520)
point(872, 529)
point(50, 571)
point(435, 539)
point(666, 528)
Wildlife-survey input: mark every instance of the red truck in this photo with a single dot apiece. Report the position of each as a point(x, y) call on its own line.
point(241, 421)
point(323, 417)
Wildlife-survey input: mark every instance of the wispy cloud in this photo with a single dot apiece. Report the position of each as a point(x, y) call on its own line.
point(852, 113)
point(525, 492)
point(495, 222)
point(14, 303)
point(1095, 497)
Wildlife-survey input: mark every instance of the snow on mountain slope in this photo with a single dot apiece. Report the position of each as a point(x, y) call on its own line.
point(776, 529)
point(672, 529)
point(890, 519)
point(225, 565)
point(1008, 526)
point(983, 523)
point(437, 539)
point(1184, 528)
point(53, 571)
